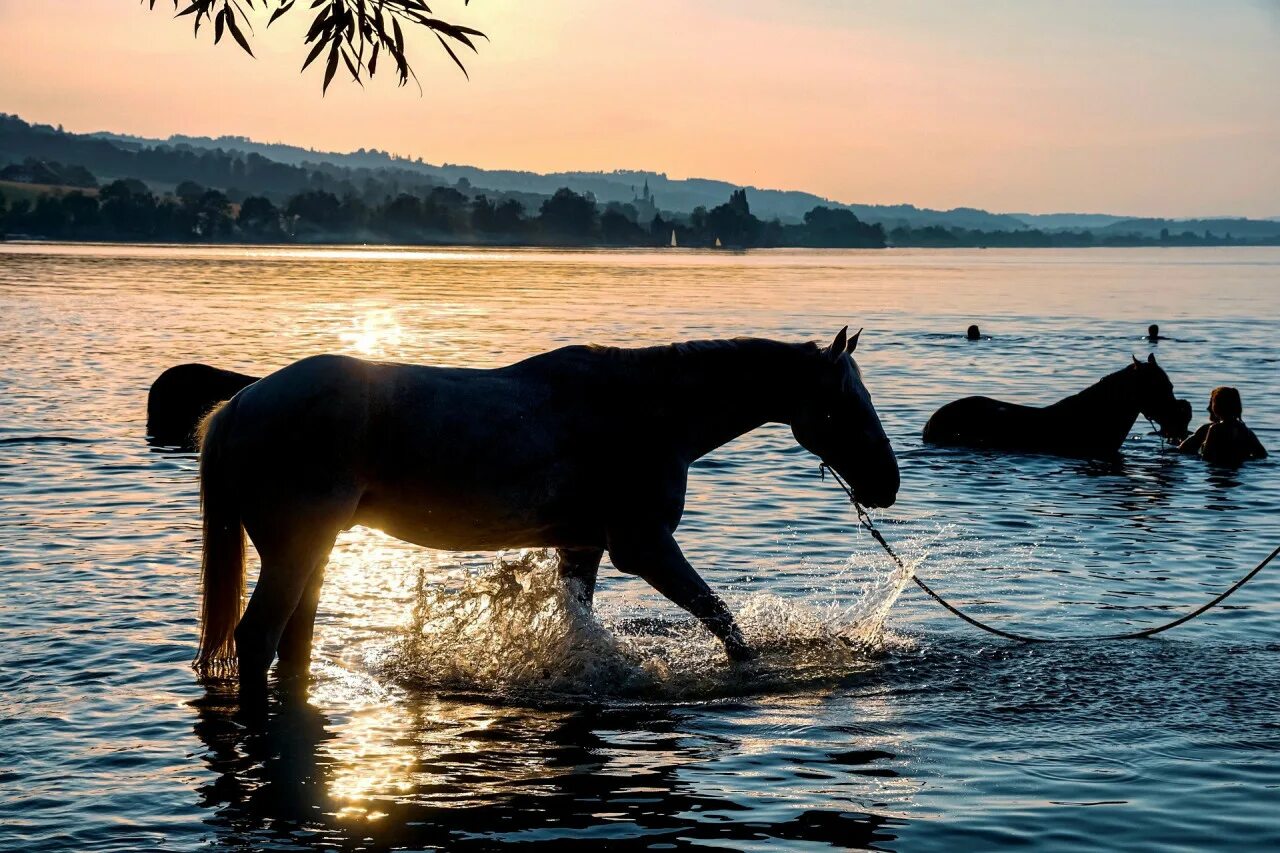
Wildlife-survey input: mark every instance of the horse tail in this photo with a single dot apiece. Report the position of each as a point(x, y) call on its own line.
point(222, 567)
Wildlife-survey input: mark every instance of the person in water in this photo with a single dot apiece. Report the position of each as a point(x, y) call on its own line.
point(1225, 439)
point(1153, 333)
point(974, 333)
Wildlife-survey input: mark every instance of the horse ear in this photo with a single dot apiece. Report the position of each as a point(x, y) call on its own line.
point(837, 346)
point(853, 342)
point(1151, 359)
point(1134, 357)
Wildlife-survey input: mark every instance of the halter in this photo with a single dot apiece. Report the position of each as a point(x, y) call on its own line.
point(864, 519)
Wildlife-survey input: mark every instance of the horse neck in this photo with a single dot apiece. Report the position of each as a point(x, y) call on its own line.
point(1108, 407)
point(724, 389)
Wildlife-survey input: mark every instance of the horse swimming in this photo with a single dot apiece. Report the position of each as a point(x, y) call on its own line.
point(582, 449)
point(1090, 424)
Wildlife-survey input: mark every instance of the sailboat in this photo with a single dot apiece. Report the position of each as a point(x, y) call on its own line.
point(674, 244)
point(719, 245)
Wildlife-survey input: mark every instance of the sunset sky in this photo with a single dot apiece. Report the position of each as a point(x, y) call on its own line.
point(1144, 107)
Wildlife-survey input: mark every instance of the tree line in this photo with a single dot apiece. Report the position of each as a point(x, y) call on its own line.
point(127, 210)
point(937, 237)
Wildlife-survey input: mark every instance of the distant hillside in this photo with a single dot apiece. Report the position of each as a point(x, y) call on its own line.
point(1248, 229)
point(240, 167)
point(1057, 221)
point(675, 195)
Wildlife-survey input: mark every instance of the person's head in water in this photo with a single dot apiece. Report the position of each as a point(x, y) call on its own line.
point(1225, 405)
point(1153, 332)
point(974, 334)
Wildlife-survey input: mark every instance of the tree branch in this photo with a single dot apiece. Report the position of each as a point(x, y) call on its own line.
point(357, 31)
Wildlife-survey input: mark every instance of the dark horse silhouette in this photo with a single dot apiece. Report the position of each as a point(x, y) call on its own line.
point(1091, 424)
point(581, 449)
point(182, 395)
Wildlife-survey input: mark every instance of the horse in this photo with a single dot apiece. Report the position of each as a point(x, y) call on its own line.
point(182, 395)
point(582, 449)
point(1091, 424)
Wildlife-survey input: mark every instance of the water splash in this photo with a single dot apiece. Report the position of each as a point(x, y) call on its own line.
point(516, 630)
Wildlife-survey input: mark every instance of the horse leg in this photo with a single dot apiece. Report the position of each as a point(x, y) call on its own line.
point(655, 556)
point(295, 642)
point(294, 550)
point(581, 565)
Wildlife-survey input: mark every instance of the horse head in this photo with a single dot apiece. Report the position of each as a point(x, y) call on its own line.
point(836, 421)
point(1156, 400)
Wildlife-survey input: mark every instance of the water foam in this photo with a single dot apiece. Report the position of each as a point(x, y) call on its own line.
point(516, 630)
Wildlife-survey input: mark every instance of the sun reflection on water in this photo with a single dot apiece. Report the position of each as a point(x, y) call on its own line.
point(377, 333)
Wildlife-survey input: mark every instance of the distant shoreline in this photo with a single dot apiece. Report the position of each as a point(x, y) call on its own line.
point(26, 240)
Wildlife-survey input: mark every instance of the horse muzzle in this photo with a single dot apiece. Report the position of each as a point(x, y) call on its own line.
point(879, 499)
point(1175, 420)
point(874, 485)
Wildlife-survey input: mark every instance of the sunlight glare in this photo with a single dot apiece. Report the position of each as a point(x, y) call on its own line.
point(376, 334)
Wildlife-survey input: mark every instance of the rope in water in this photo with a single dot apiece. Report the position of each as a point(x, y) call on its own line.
point(865, 520)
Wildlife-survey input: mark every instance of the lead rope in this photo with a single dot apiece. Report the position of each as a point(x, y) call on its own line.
point(865, 520)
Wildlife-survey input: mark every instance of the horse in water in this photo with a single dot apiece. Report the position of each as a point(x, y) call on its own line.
point(182, 395)
point(1091, 424)
point(582, 449)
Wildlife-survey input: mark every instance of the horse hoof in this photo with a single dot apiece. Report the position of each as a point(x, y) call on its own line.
point(741, 653)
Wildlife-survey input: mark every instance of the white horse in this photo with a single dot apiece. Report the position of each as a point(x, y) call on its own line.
point(581, 449)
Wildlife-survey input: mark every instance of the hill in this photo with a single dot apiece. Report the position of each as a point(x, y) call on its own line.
point(371, 195)
point(676, 195)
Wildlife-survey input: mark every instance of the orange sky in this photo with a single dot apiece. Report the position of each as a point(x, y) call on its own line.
point(1147, 107)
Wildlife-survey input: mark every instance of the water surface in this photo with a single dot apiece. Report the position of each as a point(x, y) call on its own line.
point(511, 719)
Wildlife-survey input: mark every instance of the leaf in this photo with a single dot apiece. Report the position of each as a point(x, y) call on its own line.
point(355, 75)
point(454, 56)
point(278, 12)
point(218, 25)
point(237, 35)
point(316, 26)
point(373, 61)
point(311, 57)
point(330, 67)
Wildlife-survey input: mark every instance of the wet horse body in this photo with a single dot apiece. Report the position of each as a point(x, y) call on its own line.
point(583, 449)
point(1091, 424)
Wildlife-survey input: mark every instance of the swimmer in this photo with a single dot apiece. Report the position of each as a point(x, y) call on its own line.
point(1225, 439)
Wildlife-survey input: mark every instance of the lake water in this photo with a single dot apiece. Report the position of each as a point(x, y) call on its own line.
point(448, 711)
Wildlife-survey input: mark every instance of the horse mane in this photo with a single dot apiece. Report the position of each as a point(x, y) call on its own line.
point(710, 350)
point(1104, 386)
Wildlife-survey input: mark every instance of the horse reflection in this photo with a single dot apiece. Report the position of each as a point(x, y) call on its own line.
point(471, 775)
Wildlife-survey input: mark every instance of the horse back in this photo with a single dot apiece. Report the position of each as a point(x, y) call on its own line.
point(985, 422)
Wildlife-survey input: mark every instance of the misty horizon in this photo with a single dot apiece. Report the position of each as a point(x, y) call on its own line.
point(392, 158)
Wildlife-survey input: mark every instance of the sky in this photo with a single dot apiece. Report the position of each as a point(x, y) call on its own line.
point(1141, 107)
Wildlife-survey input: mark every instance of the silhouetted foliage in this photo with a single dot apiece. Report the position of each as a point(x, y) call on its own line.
point(733, 222)
point(33, 171)
point(222, 196)
point(569, 215)
point(354, 33)
point(618, 229)
point(837, 227)
point(258, 217)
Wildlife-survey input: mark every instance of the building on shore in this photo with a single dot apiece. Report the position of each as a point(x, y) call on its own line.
point(645, 204)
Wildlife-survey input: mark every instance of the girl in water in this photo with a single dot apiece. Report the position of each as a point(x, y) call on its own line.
point(1225, 439)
